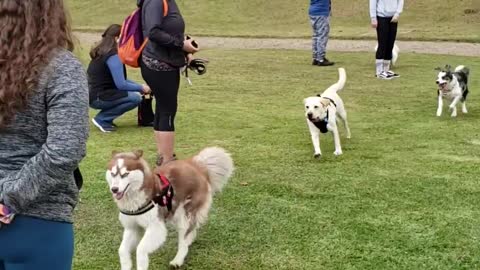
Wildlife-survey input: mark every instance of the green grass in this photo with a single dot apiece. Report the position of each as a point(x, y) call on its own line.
point(422, 20)
point(404, 195)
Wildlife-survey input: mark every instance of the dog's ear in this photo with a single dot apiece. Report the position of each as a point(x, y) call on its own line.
point(115, 152)
point(438, 69)
point(325, 102)
point(448, 68)
point(138, 153)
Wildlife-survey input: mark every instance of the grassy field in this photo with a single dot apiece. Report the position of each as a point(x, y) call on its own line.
point(404, 195)
point(422, 20)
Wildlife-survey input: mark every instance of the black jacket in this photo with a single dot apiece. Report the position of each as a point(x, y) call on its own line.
point(165, 34)
point(100, 80)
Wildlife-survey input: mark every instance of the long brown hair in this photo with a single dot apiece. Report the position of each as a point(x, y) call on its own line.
point(108, 42)
point(31, 30)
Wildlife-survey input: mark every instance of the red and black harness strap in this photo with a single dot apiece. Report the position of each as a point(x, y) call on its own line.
point(165, 195)
point(163, 198)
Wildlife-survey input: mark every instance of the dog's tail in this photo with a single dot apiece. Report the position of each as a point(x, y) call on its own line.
point(463, 69)
point(342, 78)
point(219, 165)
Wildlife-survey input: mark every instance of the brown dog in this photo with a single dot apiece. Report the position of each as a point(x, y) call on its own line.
point(180, 191)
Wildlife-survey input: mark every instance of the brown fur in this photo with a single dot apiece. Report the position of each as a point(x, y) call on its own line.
point(190, 184)
point(189, 180)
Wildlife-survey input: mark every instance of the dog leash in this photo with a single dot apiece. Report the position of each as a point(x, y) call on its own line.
point(198, 65)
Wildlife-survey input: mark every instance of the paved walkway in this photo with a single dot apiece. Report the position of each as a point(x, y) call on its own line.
point(450, 48)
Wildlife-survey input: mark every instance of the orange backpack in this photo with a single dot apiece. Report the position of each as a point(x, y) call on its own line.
point(131, 41)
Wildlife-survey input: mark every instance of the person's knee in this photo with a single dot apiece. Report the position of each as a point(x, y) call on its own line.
point(164, 121)
point(135, 98)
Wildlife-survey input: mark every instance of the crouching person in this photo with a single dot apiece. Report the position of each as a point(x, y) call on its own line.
point(110, 90)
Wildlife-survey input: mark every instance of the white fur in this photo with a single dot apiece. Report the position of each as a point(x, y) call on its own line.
point(451, 91)
point(315, 110)
point(219, 164)
point(147, 232)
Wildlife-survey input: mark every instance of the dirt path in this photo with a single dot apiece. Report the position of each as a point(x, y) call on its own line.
point(450, 48)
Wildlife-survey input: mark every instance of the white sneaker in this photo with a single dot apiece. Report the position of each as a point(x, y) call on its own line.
point(393, 74)
point(384, 76)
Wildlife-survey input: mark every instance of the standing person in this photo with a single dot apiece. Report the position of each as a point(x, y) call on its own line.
point(162, 58)
point(384, 16)
point(110, 91)
point(43, 134)
point(319, 13)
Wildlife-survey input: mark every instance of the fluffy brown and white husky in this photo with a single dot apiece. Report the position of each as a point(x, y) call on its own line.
point(179, 192)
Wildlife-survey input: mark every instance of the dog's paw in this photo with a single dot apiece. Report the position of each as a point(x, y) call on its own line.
point(175, 264)
point(317, 156)
point(464, 111)
point(454, 114)
point(338, 153)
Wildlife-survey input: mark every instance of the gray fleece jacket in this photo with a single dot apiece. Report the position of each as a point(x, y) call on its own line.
point(44, 144)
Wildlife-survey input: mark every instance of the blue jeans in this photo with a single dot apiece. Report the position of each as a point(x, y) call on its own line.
point(31, 243)
point(321, 29)
point(110, 110)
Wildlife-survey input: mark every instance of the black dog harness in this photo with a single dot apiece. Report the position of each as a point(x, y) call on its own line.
point(322, 124)
point(163, 199)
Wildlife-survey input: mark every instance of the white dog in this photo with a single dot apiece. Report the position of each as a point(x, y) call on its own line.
point(452, 86)
point(322, 111)
point(179, 191)
point(395, 53)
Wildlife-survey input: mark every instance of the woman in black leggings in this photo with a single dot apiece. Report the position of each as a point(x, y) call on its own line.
point(384, 16)
point(165, 53)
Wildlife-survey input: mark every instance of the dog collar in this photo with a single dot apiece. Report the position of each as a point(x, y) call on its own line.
point(163, 198)
point(142, 210)
point(331, 100)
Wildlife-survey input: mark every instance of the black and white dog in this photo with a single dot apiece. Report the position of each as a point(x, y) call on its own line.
point(452, 86)
point(322, 111)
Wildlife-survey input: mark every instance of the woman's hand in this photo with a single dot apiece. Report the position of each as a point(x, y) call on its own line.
point(146, 89)
point(188, 47)
point(395, 19)
point(374, 23)
point(189, 58)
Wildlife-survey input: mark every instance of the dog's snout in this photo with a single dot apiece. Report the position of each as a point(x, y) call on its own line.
point(114, 189)
point(309, 115)
point(437, 82)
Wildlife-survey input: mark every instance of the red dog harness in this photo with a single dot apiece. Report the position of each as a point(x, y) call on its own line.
point(165, 195)
point(163, 198)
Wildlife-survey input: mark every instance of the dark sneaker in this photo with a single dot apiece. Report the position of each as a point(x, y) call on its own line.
point(104, 127)
point(393, 74)
point(323, 63)
point(384, 76)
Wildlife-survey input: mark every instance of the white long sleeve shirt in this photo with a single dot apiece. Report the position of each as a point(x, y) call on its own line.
point(385, 8)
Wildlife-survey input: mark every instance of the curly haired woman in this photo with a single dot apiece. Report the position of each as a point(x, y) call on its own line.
point(43, 132)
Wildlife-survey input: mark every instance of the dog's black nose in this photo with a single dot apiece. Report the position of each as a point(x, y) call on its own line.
point(114, 189)
point(309, 115)
point(437, 82)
